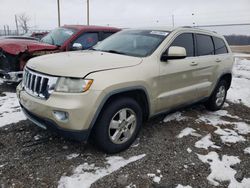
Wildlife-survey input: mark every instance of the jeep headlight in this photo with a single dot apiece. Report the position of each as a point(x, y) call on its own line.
point(73, 85)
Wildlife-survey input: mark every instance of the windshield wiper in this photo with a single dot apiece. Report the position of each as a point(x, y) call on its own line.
point(113, 51)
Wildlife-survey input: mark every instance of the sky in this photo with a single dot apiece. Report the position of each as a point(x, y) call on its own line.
point(130, 13)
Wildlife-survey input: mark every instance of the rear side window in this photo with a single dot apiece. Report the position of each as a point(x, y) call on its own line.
point(220, 46)
point(186, 41)
point(204, 45)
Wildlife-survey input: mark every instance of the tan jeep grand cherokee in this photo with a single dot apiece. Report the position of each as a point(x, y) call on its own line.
point(106, 93)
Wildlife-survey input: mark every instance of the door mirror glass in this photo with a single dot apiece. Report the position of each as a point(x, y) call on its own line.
point(76, 46)
point(174, 52)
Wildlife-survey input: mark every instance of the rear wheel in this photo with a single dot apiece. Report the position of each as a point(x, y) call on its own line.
point(218, 97)
point(118, 125)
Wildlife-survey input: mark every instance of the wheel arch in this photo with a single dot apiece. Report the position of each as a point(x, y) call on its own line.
point(227, 77)
point(139, 94)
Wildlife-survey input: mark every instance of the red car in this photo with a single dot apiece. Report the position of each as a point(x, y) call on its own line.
point(14, 53)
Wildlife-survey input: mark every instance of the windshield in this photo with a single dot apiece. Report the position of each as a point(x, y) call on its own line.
point(58, 36)
point(138, 43)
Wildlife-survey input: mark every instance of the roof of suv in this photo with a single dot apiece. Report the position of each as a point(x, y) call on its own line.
point(182, 28)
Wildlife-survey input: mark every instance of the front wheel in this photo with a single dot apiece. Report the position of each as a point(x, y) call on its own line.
point(118, 125)
point(218, 97)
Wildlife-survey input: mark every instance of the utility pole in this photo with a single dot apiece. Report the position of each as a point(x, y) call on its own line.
point(8, 29)
point(172, 20)
point(87, 12)
point(17, 31)
point(4, 30)
point(58, 11)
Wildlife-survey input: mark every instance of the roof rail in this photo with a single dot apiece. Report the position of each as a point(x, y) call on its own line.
point(197, 27)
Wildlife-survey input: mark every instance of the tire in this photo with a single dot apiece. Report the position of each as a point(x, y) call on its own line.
point(218, 97)
point(126, 117)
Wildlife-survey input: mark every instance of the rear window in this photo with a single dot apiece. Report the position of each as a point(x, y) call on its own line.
point(204, 45)
point(220, 46)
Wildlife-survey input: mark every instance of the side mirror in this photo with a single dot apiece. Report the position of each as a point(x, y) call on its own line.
point(174, 52)
point(76, 46)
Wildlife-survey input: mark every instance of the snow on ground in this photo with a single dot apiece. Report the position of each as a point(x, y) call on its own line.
point(86, 174)
point(247, 150)
point(206, 142)
point(131, 185)
point(156, 177)
point(229, 136)
point(188, 131)
point(72, 156)
point(177, 116)
point(189, 150)
point(214, 118)
point(10, 111)
point(221, 170)
point(182, 186)
point(240, 90)
point(226, 135)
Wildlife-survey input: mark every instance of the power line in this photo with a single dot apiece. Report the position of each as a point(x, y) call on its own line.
point(222, 25)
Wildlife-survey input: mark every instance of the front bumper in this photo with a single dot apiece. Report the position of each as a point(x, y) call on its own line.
point(48, 124)
point(81, 109)
point(14, 77)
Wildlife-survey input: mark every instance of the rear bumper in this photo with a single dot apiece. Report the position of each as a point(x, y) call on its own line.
point(50, 125)
point(14, 77)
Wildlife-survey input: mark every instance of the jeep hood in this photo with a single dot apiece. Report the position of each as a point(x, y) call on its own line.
point(15, 46)
point(80, 63)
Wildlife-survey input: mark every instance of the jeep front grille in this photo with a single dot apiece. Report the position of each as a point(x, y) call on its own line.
point(37, 84)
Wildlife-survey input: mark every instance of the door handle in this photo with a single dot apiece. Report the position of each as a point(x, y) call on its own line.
point(217, 60)
point(194, 63)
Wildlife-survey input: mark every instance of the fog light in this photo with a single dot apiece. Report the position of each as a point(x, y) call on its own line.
point(61, 116)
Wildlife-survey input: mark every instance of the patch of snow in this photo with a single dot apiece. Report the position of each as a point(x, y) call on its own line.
point(65, 147)
point(10, 111)
point(131, 185)
point(189, 150)
point(136, 143)
point(205, 143)
point(214, 118)
point(156, 178)
point(242, 127)
point(229, 136)
point(37, 137)
point(247, 150)
point(188, 131)
point(72, 156)
point(240, 90)
point(221, 170)
point(226, 135)
point(1, 166)
point(183, 186)
point(84, 175)
point(226, 105)
point(177, 116)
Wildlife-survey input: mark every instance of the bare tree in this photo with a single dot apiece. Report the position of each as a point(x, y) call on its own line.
point(23, 20)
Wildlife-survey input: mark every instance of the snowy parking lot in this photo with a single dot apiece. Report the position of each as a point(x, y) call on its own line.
point(188, 148)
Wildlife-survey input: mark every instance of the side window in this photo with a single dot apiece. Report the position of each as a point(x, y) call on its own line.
point(186, 41)
point(204, 45)
point(87, 40)
point(220, 46)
